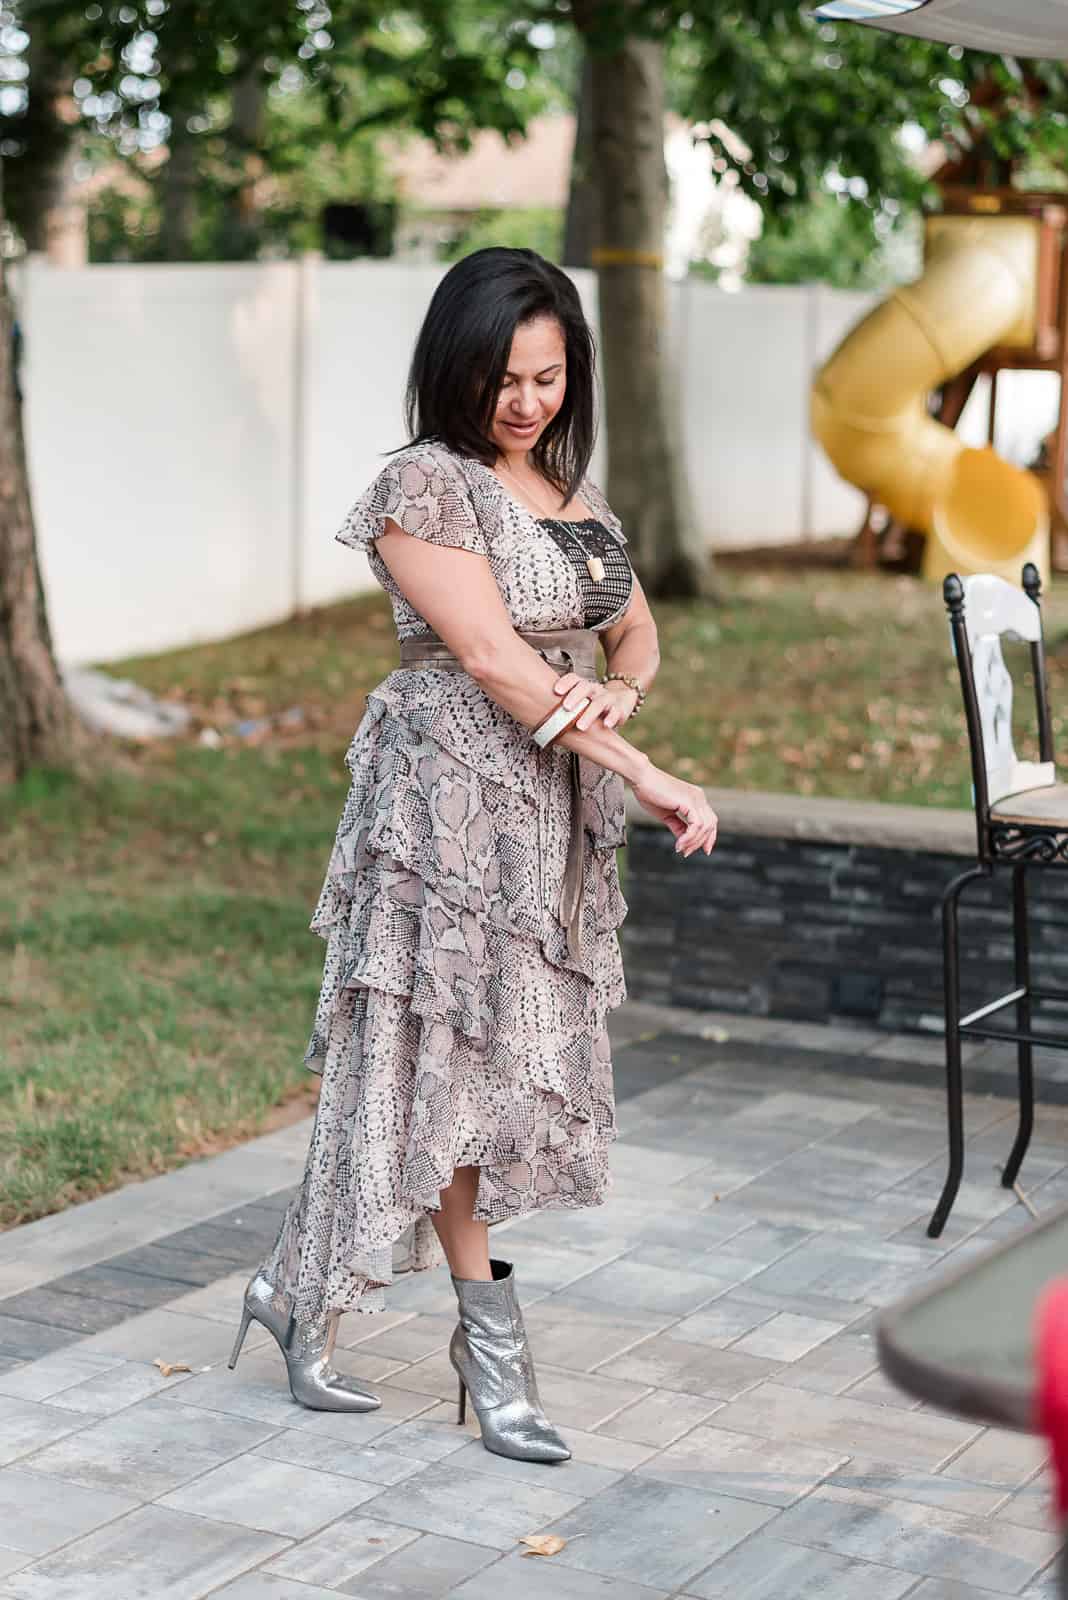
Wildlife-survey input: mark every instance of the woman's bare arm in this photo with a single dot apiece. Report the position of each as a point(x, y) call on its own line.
point(457, 594)
point(630, 645)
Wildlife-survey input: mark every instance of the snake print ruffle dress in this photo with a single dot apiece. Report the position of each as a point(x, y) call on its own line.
point(453, 1026)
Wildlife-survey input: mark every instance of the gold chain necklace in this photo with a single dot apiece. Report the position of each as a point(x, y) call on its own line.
point(594, 564)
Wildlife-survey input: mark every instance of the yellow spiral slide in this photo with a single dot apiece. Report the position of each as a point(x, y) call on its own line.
point(869, 400)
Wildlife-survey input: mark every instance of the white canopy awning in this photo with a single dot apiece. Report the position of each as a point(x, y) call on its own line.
point(1009, 27)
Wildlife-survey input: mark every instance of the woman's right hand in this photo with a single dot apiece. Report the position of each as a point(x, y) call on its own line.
point(682, 806)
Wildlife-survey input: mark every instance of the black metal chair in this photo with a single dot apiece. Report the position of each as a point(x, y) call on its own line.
point(1021, 815)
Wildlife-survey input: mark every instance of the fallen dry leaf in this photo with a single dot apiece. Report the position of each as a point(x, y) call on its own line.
point(168, 1367)
point(543, 1544)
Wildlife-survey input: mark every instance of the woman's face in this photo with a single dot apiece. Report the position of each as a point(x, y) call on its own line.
point(533, 388)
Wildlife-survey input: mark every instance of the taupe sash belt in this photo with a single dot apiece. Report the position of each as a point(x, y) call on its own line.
point(571, 650)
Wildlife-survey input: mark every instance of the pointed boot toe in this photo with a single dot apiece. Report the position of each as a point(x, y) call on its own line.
point(318, 1386)
point(312, 1379)
point(554, 1453)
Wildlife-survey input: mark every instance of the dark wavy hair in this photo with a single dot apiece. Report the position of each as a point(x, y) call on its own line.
point(461, 357)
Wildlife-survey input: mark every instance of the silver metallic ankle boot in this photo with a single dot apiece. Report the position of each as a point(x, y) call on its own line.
point(491, 1356)
point(307, 1351)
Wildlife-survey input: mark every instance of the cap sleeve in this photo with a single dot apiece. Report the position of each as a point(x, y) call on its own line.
point(600, 508)
point(426, 495)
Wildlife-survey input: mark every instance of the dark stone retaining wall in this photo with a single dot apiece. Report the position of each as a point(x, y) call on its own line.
point(822, 910)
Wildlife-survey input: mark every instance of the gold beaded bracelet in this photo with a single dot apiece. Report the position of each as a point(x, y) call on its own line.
point(632, 683)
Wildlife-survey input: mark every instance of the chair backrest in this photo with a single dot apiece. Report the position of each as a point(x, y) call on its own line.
point(983, 610)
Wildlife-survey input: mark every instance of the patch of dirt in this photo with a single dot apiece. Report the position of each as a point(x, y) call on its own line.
point(301, 1104)
point(814, 555)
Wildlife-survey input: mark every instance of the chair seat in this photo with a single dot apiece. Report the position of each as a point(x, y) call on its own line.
point(1044, 808)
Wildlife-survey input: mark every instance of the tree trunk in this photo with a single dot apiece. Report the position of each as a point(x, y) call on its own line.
point(240, 228)
point(57, 223)
point(582, 224)
point(646, 473)
point(37, 724)
point(179, 181)
point(42, 191)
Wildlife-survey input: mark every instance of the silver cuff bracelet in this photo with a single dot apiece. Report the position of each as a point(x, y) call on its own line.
point(557, 722)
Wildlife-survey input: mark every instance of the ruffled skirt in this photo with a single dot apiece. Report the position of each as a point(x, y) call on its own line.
point(454, 1027)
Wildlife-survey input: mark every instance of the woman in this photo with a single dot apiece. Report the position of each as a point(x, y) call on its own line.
point(471, 900)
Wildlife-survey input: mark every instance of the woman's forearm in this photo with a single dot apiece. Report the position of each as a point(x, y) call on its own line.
point(608, 748)
point(521, 681)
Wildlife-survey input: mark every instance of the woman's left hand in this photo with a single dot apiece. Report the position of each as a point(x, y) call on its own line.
point(611, 702)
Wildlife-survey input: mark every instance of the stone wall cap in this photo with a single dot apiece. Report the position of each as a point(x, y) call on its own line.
point(823, 820)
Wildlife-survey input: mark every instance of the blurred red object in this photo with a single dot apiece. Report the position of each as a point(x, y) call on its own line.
point(1051, 1390)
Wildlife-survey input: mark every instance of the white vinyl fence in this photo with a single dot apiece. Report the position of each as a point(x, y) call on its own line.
point(196, 433)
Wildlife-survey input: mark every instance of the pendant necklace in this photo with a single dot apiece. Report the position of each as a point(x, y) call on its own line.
point(594, 564)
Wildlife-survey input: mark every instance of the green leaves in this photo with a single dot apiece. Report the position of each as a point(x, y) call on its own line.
point(791, 106)
point(151, 75)
point(810, 100)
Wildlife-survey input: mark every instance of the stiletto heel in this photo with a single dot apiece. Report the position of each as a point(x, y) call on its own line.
point(246, 1318)
point(461, 1410)
point(491, 1358)
point(306, 1350)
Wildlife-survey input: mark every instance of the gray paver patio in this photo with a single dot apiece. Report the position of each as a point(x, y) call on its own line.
point(704, 1340)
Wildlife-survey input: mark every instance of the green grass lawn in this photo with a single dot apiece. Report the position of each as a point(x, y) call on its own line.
point(157, 976)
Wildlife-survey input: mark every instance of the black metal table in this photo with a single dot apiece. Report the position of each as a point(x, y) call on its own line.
point(965, 1342)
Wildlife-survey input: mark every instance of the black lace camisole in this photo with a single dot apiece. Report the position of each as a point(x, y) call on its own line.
point(590, 537)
